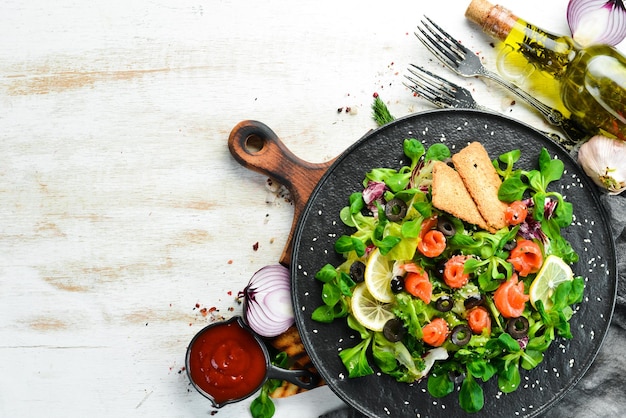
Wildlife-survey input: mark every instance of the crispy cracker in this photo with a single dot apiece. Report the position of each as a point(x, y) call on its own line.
point(482, 181)
point(291, 343)
point(451, 196)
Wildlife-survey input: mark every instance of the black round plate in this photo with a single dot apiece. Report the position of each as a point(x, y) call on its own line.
point(379, 395)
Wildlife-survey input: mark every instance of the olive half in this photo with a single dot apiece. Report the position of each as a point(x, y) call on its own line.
point(517, 327)
point(439, 269)
point(357, 271)
point(445, 226)
point(510, 245)
point(461, 335)
point(394, 330)
point(395, 210)
point(444, 303)
point(474, 301)
point(397, 284)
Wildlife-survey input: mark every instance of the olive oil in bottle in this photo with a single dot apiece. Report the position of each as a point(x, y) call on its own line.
point(589, 83)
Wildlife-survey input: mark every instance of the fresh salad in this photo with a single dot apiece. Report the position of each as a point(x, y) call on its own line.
point(434, 297)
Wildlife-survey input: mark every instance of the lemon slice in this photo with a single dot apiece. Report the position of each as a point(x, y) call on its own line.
point(371, 313)
point(553, 272)
point(378, 275)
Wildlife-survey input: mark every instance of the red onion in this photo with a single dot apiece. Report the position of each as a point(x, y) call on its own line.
point(267, 301)
point(597, 21)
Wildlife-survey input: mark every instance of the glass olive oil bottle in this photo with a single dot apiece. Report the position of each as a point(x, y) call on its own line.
point(589, 82)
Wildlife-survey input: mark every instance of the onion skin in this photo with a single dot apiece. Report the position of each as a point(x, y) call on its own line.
point(602, 159)
point(267, 306)
point(597, 21)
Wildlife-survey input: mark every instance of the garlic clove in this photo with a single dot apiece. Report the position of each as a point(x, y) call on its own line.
point(603, 160)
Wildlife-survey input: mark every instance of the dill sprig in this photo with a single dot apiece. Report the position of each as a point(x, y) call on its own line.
point(380, 112)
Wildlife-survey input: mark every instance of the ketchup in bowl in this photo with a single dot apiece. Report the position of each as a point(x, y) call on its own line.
point(226, 362)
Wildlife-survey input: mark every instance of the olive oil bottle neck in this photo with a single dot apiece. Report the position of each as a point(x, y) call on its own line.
point(548, 52)
point(495, 20)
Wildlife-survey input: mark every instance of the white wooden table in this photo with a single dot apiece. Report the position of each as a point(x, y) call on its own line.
point(125, 225)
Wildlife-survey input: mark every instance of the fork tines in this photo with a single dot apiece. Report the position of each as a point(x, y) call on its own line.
point(431, 87)
point(441, 44)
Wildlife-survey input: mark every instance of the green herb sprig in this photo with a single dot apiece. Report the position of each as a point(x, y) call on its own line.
point(380, 112)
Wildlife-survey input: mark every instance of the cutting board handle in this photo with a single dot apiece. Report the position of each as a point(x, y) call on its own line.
point(255, 146)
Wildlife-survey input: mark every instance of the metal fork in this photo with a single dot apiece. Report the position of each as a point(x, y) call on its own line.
point(439, 91)
point(445, 94)
point(465, 63)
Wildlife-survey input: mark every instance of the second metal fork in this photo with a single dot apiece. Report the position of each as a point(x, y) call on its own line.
point(464, 62)
point(439, 91)
point(445, 94)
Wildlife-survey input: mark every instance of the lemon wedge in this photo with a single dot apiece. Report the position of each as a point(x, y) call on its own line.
point(370, 312)
point(378, 275)
point(553, 272)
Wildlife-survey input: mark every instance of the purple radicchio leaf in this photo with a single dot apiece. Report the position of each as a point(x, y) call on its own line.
point(372, 193)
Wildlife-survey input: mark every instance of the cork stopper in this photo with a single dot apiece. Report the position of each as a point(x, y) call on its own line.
point(495, 20)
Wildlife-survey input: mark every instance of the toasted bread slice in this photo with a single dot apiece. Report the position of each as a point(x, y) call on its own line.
point(482, 181)
point(451, 196)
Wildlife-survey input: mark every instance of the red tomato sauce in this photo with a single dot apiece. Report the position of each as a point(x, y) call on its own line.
point(226, 362)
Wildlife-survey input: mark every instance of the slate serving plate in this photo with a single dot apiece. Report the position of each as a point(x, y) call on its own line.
point(319, 226)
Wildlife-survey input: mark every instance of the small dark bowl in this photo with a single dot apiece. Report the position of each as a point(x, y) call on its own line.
point(301, 378)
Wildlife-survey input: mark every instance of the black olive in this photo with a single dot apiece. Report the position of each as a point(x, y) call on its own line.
point(357, 271)
point(397, 284)
point(461, 335)
point(510, 245)
point(501, 269)
point(444, 303)
point(456, 376)
point(524, 178)
point(394, 330)
point(395, 210)
point(445, 226)
point(474, 301)
point(517, 327)
point(439, 269)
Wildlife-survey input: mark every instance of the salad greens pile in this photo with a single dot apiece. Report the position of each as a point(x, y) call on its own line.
point(499, 352)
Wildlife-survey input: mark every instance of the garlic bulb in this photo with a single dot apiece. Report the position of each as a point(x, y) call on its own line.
point(604, 161)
